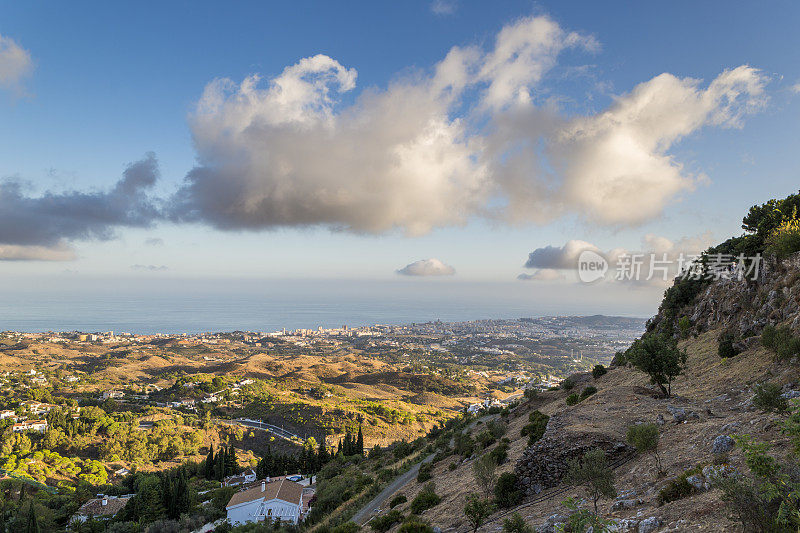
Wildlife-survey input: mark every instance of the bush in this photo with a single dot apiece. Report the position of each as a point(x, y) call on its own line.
point(567, 384)
point(593, 472)
point(414, 524)
point(464, 445)
point(588, 391)
point(573, 399)
point(530, 394)
point(768, 398)
point(516, 524)
point(347, 527)
point(726, 347)
point(477, 510)
point(397, 500)
point(644, 437)
point(507, 492)
point(658, 356)
point(684, 326)
point(598, 371)
point(426, 499)
point(485, 439)
point(384, 523)
point(425, 472)
point(785, 239)
point(452, 466)
point(676, 489)
point(500, 453)
point(536, 428)
point(781, 341)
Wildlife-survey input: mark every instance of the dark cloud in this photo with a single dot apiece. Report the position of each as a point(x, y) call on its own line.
point(154, 241)
point(558, 257)
point(50, 220)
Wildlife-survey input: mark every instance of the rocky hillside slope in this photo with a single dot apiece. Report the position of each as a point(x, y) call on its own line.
point(711, 402)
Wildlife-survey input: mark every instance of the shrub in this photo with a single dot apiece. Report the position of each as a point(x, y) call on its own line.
point(785, 239)
point(397, 500)
point(507, 492)
point(452, 466)
point(414, 524)
point(781, 341)
point(644, 437)
point(464, 445)
point(425, 472)
point(567, 384)
point(573, 398)
point(384, 523)
point(530, 394)
point(347, 527)
point(516, 524)
point(684, 326)
point(676, 489)
point(500, 453)
point(536, 428)
point(497, 428)
point(726, 347)
point(426, 499)
point(598, 371)
point(768, 398)
point(588, 391)
point(485, 439)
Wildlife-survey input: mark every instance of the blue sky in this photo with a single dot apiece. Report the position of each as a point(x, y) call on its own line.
point(108, 83)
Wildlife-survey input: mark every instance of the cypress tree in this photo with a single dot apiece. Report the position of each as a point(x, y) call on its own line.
point(32, 525)
point(360, 442)
point(209, 466)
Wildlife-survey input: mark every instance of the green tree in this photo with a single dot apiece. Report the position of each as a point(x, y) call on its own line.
point(477, 510)
point(658, 356)
point(32, 523)
point(484, 471)
point(593, 472)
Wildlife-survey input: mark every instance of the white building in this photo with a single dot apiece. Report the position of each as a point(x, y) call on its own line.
point(248, 476)
point(278, 500)
point(30, 425)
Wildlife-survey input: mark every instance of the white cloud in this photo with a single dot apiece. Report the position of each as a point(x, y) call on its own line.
point(15, 64)
point(427, 267)
point(444, 7)
point(796, 88)
point(435, 149)
point(545, 274)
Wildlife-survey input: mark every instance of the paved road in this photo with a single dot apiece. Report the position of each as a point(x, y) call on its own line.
point(257, 424)
point(366, 512)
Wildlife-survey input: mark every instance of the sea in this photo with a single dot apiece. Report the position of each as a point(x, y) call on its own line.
point(194, 306)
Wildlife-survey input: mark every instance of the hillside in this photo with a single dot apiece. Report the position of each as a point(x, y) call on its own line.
point(741, 342)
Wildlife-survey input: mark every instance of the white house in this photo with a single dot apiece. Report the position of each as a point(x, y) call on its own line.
point(30, 425)
point(103, 508)
point(278, 500)
point(248, 476)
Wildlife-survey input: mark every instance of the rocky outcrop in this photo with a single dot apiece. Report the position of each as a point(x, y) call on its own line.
point(744, 307)
point(545, 464)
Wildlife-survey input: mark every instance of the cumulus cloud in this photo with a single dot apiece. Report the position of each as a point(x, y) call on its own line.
point(15, 64)
point(656, 262)
point(41, 226)
point(545, 274)
point(427, 267)
point(796, 88)
point(474, 137)
point(444, 7)
point(555, 257)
